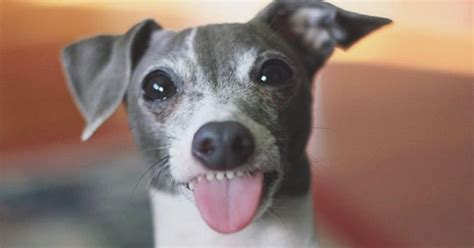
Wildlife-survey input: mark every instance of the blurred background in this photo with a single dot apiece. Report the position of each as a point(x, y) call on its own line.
point(391, 146)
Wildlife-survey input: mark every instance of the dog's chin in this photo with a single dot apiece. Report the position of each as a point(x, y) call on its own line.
point(230, 202)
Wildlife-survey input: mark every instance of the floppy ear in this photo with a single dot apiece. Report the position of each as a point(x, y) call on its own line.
point(314, 28)
point(98, 71)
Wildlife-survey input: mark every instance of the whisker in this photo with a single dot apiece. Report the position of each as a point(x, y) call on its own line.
point(158, 148)
point(275, 215)
point(168, 136)
point(163, 167)
point(148, 170)
point(322, 128)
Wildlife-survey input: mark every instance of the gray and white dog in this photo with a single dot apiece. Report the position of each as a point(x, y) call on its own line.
point(222, 113)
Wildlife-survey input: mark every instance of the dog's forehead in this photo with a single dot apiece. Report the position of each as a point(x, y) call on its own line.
point(222, 40)
point(212, 48)
point(227, 51)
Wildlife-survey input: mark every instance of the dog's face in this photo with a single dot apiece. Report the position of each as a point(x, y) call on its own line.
point(215, 103)
point(221, 112)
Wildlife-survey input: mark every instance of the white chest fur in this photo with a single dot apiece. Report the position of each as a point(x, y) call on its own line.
point(177, 223)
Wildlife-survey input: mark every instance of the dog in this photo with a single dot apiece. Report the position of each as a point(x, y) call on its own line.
point(222, 114)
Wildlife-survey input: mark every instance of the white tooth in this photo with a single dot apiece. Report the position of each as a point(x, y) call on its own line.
point(199, 178)
point(220, 176)
point(210, 176)
point(240, 173)
point(191, 185)
point(229, 175)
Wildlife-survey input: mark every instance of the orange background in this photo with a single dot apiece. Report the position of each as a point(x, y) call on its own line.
point(392, 144)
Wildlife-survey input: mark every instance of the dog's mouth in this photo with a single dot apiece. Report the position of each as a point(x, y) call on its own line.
point(228, 201)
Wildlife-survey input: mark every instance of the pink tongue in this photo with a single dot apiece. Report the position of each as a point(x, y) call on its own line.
point(229, 205)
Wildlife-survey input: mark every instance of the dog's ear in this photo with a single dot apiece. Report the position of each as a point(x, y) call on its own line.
point(99, 70)
point(314, 28)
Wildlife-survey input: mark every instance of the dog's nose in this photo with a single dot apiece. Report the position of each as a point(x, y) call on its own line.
point(223, 145)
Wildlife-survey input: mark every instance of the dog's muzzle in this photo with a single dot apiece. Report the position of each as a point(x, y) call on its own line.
point(227, 198)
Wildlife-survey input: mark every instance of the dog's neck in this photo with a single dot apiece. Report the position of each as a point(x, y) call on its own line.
point(177, 223)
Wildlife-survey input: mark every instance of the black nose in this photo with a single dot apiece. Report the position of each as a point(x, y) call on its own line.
point(223, 145)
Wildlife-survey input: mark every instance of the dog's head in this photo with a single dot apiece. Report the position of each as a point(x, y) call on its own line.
point(223, 110)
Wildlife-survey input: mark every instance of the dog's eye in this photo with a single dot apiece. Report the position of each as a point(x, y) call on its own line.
point(158, 86)
point(274, 72)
